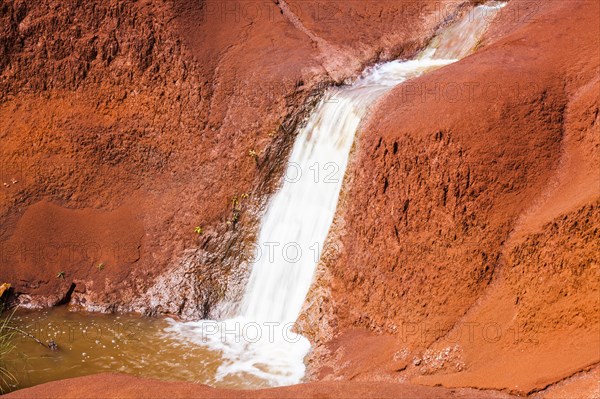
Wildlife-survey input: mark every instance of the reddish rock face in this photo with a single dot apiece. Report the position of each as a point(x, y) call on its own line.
point(470, 223)
point(127, 124)
point(468, 227)
point(122, 386)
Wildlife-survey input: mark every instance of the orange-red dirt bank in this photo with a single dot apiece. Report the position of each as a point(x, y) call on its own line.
point(467, 240)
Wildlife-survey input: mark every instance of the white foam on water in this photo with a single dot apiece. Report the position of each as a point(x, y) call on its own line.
point(259, 341)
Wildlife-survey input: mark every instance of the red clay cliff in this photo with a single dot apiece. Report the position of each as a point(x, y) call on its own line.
point(467, 238)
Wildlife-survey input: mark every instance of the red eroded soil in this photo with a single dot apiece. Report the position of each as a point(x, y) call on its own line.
point(121, 386)
point(127, 124)
point(470, 225)
point(467, 239)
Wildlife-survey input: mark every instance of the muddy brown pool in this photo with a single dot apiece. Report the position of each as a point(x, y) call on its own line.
point(91, 343)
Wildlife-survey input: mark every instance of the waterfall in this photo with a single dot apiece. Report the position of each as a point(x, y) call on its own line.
point(258, 343)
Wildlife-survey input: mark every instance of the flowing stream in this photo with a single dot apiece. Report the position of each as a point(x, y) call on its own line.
point(258, 343)
point(257, 346)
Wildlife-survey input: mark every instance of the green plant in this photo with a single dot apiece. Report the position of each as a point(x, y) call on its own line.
point(6, 335)
point(100, 266)
point(236, 204)
point(198, 230)
point(253, 154)
point(60, 275)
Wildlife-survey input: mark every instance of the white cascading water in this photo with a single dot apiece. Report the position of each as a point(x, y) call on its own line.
point(258, 344)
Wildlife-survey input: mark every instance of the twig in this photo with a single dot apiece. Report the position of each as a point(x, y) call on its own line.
point(27, 335)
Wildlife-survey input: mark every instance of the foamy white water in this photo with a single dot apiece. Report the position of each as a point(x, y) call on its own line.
point(259, 343)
